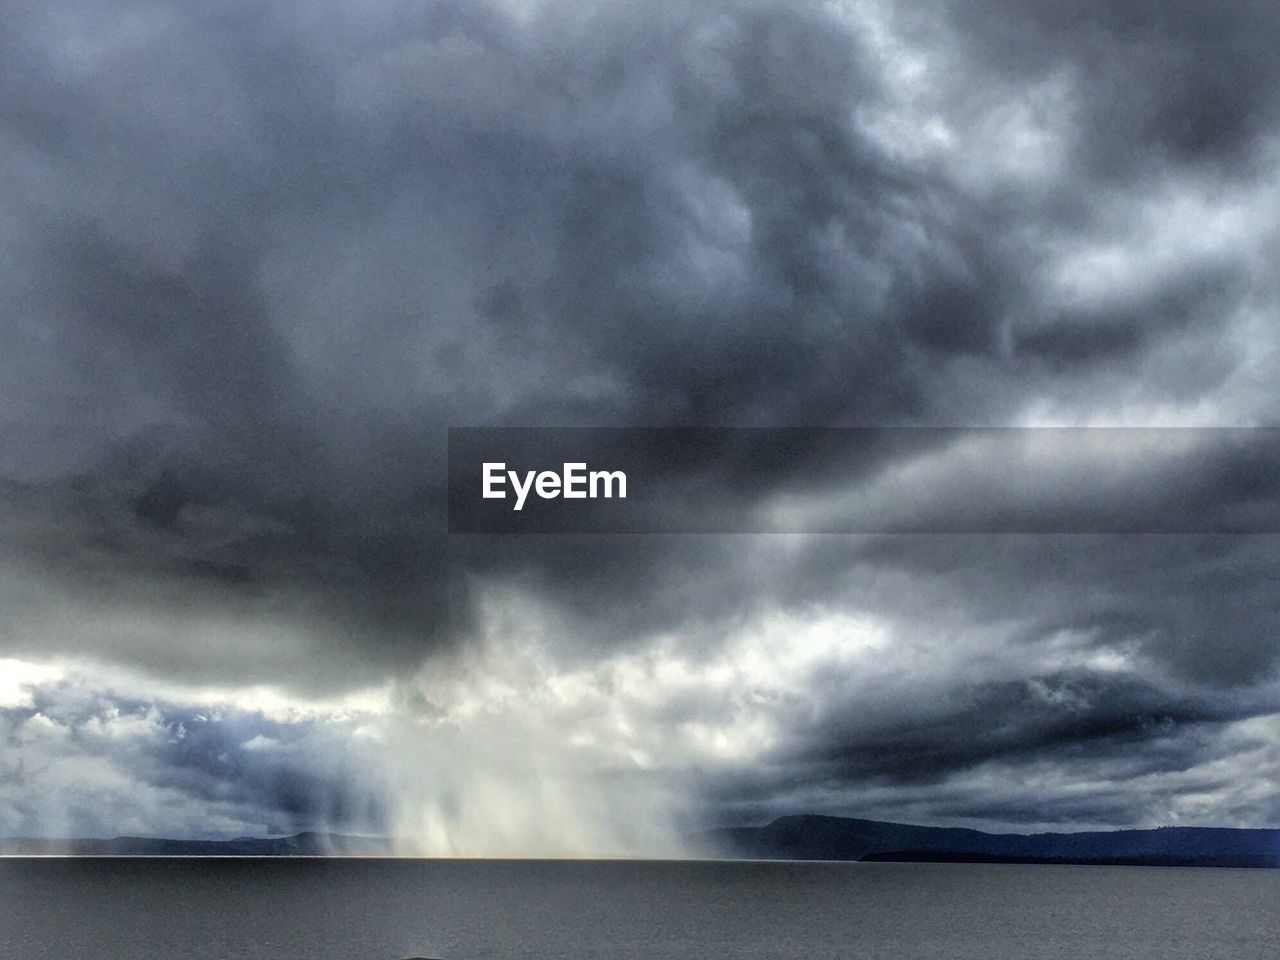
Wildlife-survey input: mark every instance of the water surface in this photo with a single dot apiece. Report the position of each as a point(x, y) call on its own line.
point(139, 909)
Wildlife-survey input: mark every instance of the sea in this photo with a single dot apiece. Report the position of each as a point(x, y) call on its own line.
point(318, 909)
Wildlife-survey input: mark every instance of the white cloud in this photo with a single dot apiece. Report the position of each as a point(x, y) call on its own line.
point(18, 678)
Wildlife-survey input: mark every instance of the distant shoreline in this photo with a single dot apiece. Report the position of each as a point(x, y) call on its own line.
point(808, 837)
point(792, 838)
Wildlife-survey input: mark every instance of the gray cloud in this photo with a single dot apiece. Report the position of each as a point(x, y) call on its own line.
point(84, 761)
point(260, 258)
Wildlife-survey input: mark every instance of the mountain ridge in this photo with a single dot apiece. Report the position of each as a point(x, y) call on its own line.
point(306, 844)
point(792, 837)
point(814, 837)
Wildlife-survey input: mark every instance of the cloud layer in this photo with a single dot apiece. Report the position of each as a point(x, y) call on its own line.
point(259, 258)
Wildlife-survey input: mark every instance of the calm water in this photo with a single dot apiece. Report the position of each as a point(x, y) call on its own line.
point(384, 910)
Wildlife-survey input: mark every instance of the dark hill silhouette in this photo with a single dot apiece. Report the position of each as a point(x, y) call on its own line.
point(841, 838)
point(298, 845)
point(787, 838)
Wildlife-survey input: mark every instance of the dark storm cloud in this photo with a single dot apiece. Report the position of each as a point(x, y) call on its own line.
point(1068, 714)
point(1067, 748)
point(539, 196)
point(1163, 83)
point(1196, 604)
point(260, 257)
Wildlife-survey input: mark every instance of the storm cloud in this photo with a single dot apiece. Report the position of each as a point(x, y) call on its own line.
point(258, 259)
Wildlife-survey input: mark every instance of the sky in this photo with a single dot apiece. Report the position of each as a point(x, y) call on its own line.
point(259, 256)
